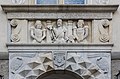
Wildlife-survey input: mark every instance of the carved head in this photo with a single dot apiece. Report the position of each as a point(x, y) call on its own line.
point(80, 23)
point(49, 22)
point(105, 23)
point(38, 24)
point(59, 22)
point(70, 22)
point(13, 23)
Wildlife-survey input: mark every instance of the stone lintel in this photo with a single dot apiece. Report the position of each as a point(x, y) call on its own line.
point(82, 15)
point(60, 47)
point(59, 8)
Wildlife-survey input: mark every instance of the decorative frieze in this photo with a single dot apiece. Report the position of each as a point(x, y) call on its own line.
point(60, 32)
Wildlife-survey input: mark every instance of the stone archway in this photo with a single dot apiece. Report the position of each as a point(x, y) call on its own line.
point(59, 74)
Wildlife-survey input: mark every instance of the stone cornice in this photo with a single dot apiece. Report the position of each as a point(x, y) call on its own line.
point(59, 8)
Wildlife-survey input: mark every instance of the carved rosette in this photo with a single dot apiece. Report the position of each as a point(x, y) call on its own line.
point(15, 38)
point(104, 38)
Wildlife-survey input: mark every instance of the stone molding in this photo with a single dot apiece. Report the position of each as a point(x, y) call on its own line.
point(59, 11)
point(53, 47)
point(59, 8)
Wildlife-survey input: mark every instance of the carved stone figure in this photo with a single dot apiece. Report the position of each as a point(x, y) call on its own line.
point(81, 32)
point(104, 31)
point(70, 30)
point(16, 29)
point(37, 33)
point(50, 33)
point(60, 32)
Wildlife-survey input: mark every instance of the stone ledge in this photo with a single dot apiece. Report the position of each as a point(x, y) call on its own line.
point(53, 47)
point(59, 8)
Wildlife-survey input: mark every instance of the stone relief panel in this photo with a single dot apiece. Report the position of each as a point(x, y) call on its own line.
point(104, 31)
point(87, 65)
point(99, 59)
point(60, 31)
point(101, 31)
point(17, 31)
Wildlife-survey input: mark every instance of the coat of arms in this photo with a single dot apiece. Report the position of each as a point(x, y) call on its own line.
point(59, 59)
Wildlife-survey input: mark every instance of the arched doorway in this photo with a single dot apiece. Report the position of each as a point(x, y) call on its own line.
point(59, 74)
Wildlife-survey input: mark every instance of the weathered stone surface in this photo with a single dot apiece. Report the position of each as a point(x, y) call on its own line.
point(4, 68)
point(115, 68)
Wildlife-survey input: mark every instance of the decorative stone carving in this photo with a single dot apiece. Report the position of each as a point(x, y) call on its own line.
point(16, 64)
point(81, 32)
point(16, 29)
point(38, 33)
point(102, 1)
point(47, 60)
point(29, 55)
point(50, 33)
point(100, 62)
point(60, 32)
point(77, 62)
point(59, 59)
point(100, 59)
point(18, 1)
point(104, 31)
point(70, 31)
point(105, 67)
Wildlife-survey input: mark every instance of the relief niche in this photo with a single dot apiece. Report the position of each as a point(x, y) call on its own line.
point(104, 30)
point(15, 31)
point(60, 31)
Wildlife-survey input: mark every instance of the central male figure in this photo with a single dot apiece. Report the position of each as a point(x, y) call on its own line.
point(60, 32)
